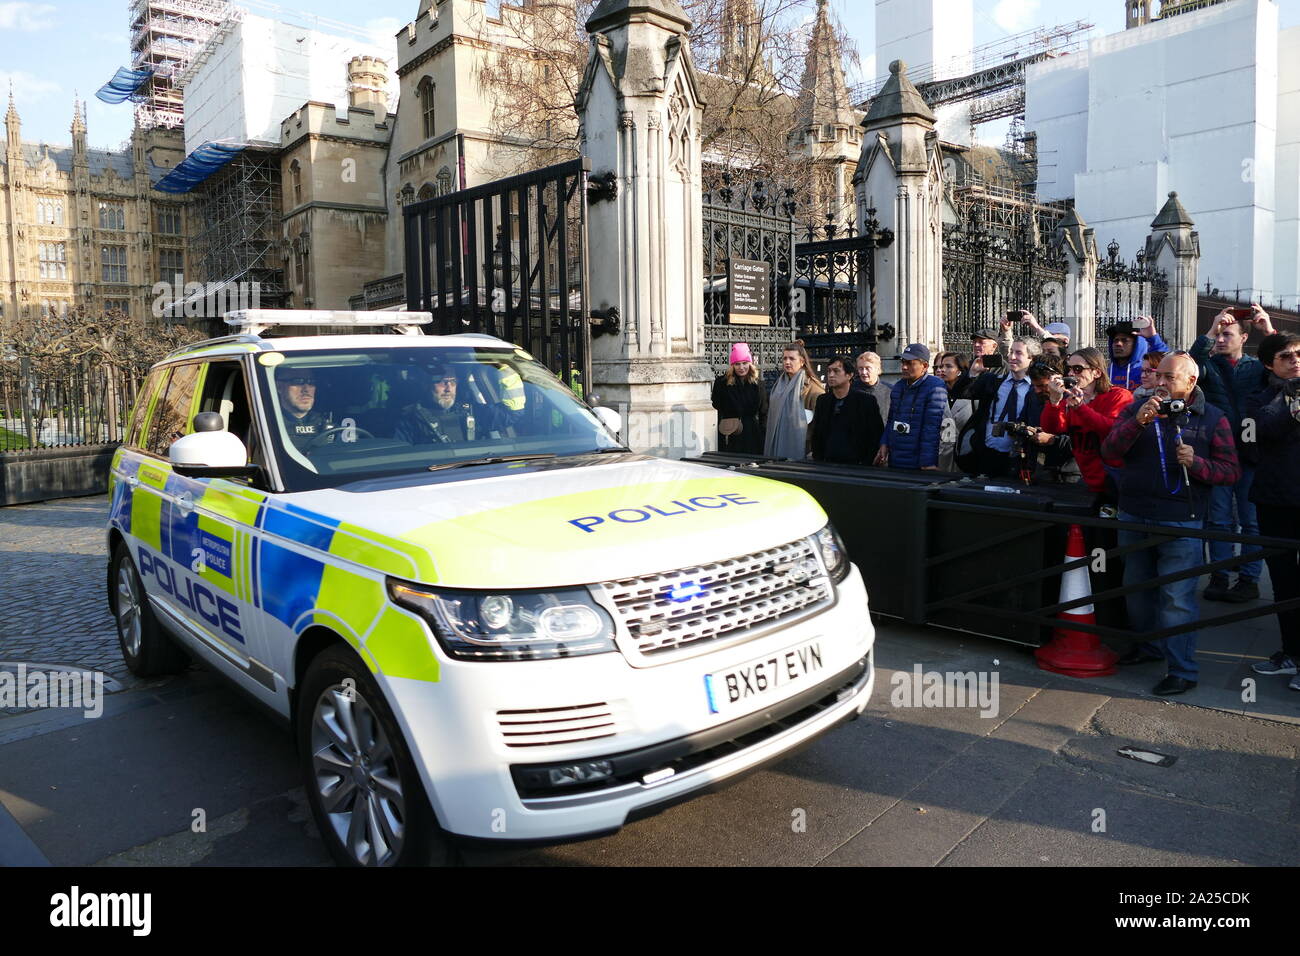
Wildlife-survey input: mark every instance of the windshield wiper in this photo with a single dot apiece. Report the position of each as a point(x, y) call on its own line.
point(502, 459)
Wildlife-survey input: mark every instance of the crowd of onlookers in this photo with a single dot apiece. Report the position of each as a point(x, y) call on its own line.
point(1203, 438)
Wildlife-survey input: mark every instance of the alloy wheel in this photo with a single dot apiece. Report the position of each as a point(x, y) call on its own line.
point(357, 778)
point(128, 609)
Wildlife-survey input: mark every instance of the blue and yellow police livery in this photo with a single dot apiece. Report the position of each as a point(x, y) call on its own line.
point(483, 616)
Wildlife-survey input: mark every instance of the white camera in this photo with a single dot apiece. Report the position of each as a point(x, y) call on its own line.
point(902, 428)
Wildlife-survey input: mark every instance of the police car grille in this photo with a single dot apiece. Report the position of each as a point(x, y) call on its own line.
point(551, 726)
point(738, 594)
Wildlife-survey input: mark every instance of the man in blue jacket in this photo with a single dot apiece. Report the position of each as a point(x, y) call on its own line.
point(1229, 378)
point(917, 405)
point(1129, 341)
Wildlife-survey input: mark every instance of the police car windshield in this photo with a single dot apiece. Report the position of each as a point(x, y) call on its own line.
point(337, 416)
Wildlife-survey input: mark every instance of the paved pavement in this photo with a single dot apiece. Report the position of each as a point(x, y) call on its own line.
point(55, 564)
point(184, 771)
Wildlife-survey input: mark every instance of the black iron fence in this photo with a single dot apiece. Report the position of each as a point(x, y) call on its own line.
point(991, 268)
point(755, 223)
point(1127, 289)
point(63, 404)
point(832, 318)
point(509, 259)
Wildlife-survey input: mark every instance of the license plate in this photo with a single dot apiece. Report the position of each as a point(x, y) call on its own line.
point(735, 688)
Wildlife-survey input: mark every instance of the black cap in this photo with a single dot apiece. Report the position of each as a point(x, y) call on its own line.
point(984, 334)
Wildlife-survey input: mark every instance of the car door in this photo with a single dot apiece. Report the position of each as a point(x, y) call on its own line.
point(180, 574)
point(222, 543)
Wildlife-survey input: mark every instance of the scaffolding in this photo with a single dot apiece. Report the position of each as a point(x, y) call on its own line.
point(993, 80)
point(238, 216)
point(165, 36)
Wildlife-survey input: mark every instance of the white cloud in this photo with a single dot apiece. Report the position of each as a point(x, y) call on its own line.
point(26, 16)
point(27, 86)
point(1016, 15)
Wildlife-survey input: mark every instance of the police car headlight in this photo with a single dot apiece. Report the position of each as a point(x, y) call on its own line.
point(834, 555)
point(513, 626)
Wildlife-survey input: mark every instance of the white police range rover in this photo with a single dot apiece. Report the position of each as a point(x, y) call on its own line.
point(483, 616)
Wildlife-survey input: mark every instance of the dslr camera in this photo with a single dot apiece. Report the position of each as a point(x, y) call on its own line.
point(1017, 430)
point(1070, 381)
point(1172, 406)
point(902, 428)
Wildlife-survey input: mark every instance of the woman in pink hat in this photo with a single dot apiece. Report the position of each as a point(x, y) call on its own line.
point(741, 401)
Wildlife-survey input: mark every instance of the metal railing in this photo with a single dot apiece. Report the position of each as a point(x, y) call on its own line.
point(1253, 548)
point(985, 557)
point(74, 403)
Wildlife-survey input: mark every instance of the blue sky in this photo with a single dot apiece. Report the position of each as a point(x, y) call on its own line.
point(87, 40)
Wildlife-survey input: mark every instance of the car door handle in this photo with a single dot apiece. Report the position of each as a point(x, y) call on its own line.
point(185, 502)
point(133, 480)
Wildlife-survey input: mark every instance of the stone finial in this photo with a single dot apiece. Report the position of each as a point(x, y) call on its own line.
point(613, 13)
point(897, 99)
point(1173, 215)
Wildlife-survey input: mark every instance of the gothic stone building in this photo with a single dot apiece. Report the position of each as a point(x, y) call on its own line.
point(84, 227)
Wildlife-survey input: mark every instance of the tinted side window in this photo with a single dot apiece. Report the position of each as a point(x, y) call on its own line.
point(134, 437)
point(226, 393)
point(171, 416)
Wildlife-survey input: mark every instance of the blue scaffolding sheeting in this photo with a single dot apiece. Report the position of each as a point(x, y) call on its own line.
point(123, 86)
point(198, 166)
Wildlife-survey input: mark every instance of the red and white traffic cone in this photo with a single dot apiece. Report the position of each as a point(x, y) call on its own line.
point(1070, 652)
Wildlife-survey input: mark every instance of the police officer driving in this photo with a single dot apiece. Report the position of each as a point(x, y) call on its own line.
point(304, 422)
point(443, 419)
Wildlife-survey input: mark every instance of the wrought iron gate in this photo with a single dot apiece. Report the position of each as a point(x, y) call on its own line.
point(746, 222)
point(509, 259)
point(996, 259)
point(1126, 290)
point(828, 273)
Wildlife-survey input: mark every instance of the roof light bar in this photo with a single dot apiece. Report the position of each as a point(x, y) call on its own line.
point(257, 321)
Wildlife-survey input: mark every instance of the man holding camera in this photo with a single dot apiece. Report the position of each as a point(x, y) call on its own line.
point(1275, 410)
point(1129, 341)
point(917, 407)
point(1005, 404)
point(1229, 378)
point(1175, 446)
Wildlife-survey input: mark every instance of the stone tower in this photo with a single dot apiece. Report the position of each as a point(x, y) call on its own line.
point(826, 124)
point(368, 84)
point(1136, 13)
point(742, 41)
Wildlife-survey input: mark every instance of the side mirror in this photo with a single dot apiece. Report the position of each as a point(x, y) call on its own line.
point(609, 418)
point(211, 451)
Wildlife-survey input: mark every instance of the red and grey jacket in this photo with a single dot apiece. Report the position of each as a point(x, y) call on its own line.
point(1151, 483)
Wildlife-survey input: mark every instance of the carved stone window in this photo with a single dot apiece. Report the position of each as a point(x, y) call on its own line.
point(425, 92)
point(53, 260)
point(112, 215)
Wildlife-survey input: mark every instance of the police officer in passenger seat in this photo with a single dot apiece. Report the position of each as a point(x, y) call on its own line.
point(297, 389)
point(442, 420)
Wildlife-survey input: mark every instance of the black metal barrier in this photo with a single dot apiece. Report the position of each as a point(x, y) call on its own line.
point(987, 556)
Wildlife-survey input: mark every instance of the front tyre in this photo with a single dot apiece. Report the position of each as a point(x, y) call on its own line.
point(147, 649)
point(361, 782)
